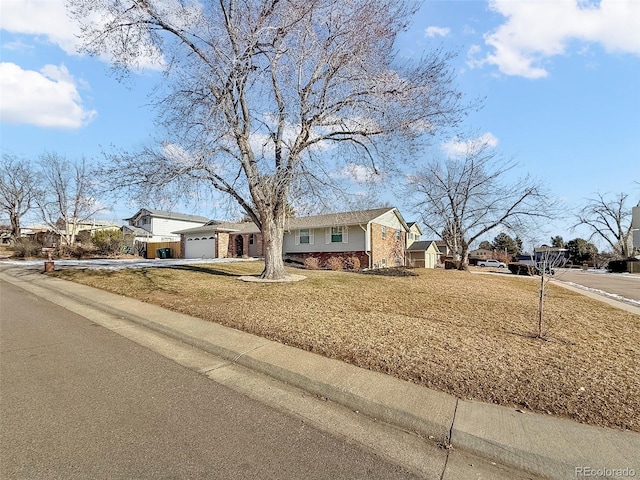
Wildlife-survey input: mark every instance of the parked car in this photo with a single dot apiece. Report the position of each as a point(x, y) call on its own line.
point(491, 263)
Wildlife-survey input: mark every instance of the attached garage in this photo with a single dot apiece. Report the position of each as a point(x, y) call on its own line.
point(200, 246)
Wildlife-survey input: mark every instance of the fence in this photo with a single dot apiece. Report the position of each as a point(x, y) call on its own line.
point(152, 247)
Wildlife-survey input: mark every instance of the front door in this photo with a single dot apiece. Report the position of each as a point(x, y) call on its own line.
point(239, 246)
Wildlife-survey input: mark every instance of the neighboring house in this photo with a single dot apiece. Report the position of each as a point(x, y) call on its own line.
point(414, 234)
point(91, 226)
point(40, 233)
point(158, 226)
point(423, 254)
point(550, 255)
point(49, 236)
point(446, 253)
point(377, 237)
point(479, 255)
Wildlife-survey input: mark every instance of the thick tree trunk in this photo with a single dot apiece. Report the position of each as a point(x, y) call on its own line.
point(272, 237)
point(464, 257)
point(15, 226)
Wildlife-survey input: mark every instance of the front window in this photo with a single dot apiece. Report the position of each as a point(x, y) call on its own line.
point(251, 239)
point(398, 235)
point(336, 234)
point(384, 232)
point(304, 235)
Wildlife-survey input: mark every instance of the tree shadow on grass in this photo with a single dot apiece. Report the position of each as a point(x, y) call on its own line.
point(531, 335)
point(209, 271)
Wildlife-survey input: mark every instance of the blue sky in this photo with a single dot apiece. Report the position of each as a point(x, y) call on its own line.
point(561, 80)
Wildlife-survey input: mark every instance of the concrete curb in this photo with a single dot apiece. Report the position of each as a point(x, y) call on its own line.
point(540, 444)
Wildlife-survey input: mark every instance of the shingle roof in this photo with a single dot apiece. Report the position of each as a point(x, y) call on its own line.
point(137, 231)
point(336, 219)
point(421, 246)
point(358, 217)
point(242, 227)
point(172, 215)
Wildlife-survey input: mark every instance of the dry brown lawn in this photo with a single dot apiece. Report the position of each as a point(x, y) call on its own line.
point(470, 335)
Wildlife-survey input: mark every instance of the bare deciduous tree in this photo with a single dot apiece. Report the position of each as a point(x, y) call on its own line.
point(264, 95)
point(66, 196)
point(547, 260)
point(609, 217)
point(18, 188)
point(465, 197)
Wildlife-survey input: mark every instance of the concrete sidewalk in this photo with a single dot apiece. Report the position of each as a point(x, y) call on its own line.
point(542, 445)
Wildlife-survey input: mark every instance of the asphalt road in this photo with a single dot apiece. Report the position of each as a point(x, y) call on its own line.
point(78, 401)
point(624, 285)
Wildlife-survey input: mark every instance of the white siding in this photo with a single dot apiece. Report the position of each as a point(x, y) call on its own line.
point(355, 236)
point(389, 219)
point(163, 227)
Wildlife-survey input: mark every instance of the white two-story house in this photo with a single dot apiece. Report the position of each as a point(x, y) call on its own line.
point(157, 226)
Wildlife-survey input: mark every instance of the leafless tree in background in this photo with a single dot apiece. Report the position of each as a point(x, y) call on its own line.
point(609, 217)
point(265, 96)
point(66, 196)
point(464, 198)
point(18, 189)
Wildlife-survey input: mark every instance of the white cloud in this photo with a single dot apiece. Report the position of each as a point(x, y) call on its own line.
point(48, 18)
point(48, 98)
point(437, 31)
point(359, 174)
point(458, 148)
point(535, 31)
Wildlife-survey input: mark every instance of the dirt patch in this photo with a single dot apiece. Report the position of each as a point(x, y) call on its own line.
point(464, 334)
point(256, 279)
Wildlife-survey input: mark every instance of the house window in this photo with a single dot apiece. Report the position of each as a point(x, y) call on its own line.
point(384, 232)
point(304, 235)
point(336, 234)
point(383, 262)
point(398, 235)
point(251, 239)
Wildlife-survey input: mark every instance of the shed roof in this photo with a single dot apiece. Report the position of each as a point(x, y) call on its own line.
point(421, 246)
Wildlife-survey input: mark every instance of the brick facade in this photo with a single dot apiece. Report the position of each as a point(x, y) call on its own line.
point(222, 245)
point(388, 251)
point(324, 256)
point(243, 240)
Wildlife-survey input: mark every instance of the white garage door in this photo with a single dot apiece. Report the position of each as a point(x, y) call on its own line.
point(200, 247)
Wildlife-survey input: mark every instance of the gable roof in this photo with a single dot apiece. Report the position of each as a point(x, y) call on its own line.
point(170, 215)
point(422, 246)
point(414, 224)
point(215, 226)
point(358, 217)
point(137, 231)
